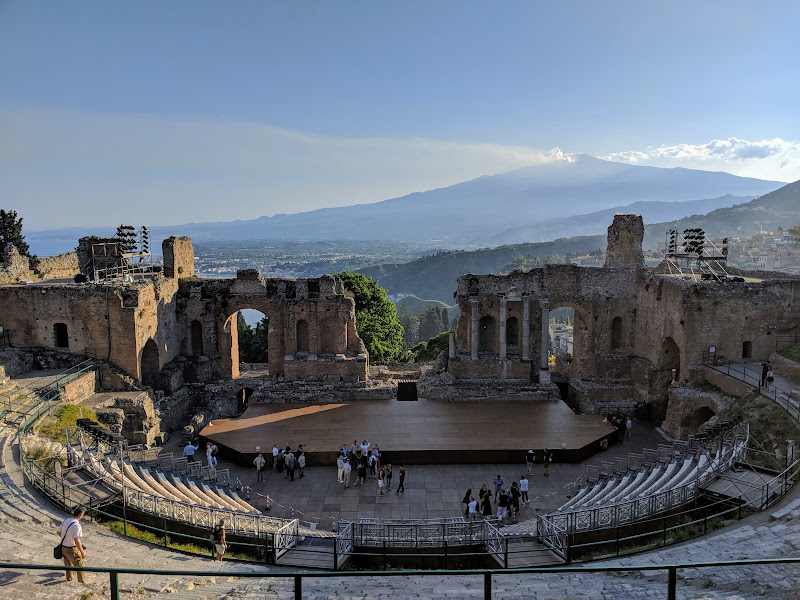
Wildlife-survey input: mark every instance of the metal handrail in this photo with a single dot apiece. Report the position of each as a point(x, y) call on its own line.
point(738, 371)
point(487, 574)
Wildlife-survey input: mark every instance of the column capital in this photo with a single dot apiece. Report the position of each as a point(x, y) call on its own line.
point(503, 298)
point(544, 302)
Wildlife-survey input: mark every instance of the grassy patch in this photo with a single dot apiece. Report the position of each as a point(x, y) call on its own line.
point(792, 352)
point(157, 539)
point(766, 419)
point(65, 416)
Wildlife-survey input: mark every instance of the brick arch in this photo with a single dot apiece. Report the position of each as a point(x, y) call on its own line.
point(228, 337)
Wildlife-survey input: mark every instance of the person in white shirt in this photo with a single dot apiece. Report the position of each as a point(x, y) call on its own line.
point(275, 453)
point(523, 488)
point(628, 426)
point(259, 462)
point(72, 550)
point(340, 469)
point(472, 509)
point(365, 446)
point(346, 472)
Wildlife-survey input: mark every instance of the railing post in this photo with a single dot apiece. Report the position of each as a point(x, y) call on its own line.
point(298, 587)
point(740, 508)
point(505, 553)
point(114, 584)
point(487, 586)
point(664, 526)
point(445, 555)
point(672, 583)
point(336, 555)
point(617, 544)
point(165, 532)
point(705, 525)
point(384, 555)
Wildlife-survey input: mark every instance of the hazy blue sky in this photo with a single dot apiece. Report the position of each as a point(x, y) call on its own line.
point(220, 110)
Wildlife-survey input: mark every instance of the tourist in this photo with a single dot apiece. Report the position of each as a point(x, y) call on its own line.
point(361, 462)
point(770, 378)
point(764, 371)
point(372, 462)
point(211, 455)
point(547, 458)
point(188, 452)
point(381, 482)
point(523, 489)
point(346, 472)
point(387, 470)
point(291, 465)
point(275, 453)
point(301, 462)
point(465, 501)
point(402, 480)
point(486, 501)
point(498, 485)
point(502, 505)
point(344, 450)
point(364, 446)
point(377, 453)
point(529, 458)
point(340, 468)
point(353, 449)
point(628, 426)
point(472, 509)
point(72, 550)
point(281, 461)
point(259, 462)
point(513, 500)
point(218, 539)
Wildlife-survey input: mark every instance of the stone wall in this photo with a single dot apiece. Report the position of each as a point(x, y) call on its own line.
point(55, 267)
point(727, 384)
point(690, 408)
point(785, 367)
point(80, 389)
point(178, 257)
point(14, 266)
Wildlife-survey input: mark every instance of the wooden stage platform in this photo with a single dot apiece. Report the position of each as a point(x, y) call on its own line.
point(422, 432)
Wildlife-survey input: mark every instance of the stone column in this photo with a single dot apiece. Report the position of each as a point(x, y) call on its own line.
point(475, 330)
point(526, 327)
point(451, 341)
point(544, 369)
point(503, 318)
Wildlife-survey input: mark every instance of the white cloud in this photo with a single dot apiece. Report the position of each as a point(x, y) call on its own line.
point(767, 159)
point(62, 169)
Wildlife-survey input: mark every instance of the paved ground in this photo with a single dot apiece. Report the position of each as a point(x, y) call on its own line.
point(432, 491)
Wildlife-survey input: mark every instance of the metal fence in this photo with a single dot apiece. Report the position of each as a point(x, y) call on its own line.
point(487, 575)
point(739, 372)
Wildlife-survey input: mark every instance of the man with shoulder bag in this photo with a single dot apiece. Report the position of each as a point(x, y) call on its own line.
point(70, 548)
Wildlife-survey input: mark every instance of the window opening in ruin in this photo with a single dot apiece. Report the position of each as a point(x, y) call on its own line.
point(243, 399)
point(747, 349)
point(616, 333)
point(302, 335)
point(487, 339)
point(252, 343)
point(562, 330)
point(512, 331)
point(196, 332)
point(150, 364)
point(61, 336)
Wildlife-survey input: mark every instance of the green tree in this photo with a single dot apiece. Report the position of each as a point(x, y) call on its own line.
point(260, 350)
point(445, 320)
point(245, 338)
point(410, 323)
point(376, 318)
point(430, 323)
point(11, 232)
